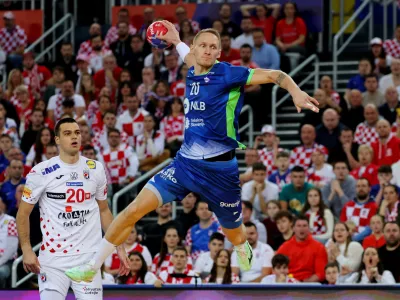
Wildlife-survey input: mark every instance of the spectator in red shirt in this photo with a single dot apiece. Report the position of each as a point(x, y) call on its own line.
point(178, 87)
point(366, 168)
point(376, 239)
point(108, 76)
point(291, 31)
point(35, 76)
point(387, 147)
point(261, 20)
point(173, 126)
point(228, 54)
point(308, 257)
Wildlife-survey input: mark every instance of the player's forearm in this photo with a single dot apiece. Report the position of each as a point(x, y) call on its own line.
point(284, 81)
point(23, 231)
point(106, 218)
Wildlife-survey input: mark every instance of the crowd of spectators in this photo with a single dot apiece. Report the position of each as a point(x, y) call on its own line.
point(324, 212)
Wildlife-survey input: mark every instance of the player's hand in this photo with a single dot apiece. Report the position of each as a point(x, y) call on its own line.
point(31, 262)
point(172, 36)
point(303, 101)
point(124, 267)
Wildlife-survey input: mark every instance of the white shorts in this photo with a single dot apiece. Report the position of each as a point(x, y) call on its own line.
point(52, 276)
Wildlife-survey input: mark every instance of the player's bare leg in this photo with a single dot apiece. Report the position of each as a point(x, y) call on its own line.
point(116, 234)
point(238, 238)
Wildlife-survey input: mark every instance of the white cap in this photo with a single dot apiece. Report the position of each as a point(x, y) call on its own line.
point(8, 15)
point(376, 41)
point(267, 129)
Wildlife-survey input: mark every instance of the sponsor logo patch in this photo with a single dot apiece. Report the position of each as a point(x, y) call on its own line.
point(57, 196)
point(27, 193)
point(91, 164)
point(74, 176)
point(49, 170)
point(74, 183)
point(86, 174)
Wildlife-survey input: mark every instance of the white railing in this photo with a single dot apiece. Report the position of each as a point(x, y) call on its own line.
point(315, 74)
point(69, 22)
point(385, 5)
point(249, 125)
point(14, 270)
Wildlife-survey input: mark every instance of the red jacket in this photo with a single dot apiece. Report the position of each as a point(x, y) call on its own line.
point(100, 80)
point(371, 241)
point(369, 172)
point(306, 258)
point(386, 154)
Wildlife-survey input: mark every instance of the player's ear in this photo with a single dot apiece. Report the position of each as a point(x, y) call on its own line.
point(219, 53)
point(57, 140)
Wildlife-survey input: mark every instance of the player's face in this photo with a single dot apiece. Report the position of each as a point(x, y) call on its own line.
point(331, 275)
point(179, 260)
point(215, 245)
point(171, 238)
point(272, 210)
point(207, 50)
point(223, 259)
point(69, 140)
point(135, 263)
point(252, 235)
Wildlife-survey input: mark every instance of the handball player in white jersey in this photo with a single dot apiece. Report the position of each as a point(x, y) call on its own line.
point(72, 195)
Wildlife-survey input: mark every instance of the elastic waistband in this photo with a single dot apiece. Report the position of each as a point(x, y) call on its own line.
point(223, 157)
point(209, 165)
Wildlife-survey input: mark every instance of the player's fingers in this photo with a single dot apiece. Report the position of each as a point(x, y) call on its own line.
point(26, 268)
point(298, 108)
point(313, 100)
point(312, 107)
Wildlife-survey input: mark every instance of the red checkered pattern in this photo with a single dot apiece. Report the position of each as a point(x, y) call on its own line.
point(92, 109)
point(10, 41)
point(11, 133)
point(132, 126)
point(12, 228)
point(359, 214)
point(172, 126)
point(117, 163)
point(166, 277)
point(301, 156)
point(234, 278)
point(335, 97)
point(369, 172)
point(100, 141)
point(36, 79)
point(391, 215)
point(318, 226)
point(167, 265)
point(267, 158)
point(1, 252)
point(178, 89)
point(195, 26)
point(85, 48)
point(112, 35)
point(158, 142)
point(365, 134)
point(392, 47)
point(394, 127)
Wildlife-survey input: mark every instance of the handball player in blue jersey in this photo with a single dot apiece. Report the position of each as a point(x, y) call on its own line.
point(206, 163)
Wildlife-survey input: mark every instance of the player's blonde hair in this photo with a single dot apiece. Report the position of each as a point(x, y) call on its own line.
point(208, 30)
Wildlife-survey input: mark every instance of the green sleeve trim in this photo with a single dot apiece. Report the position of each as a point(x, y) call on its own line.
point(251, 73)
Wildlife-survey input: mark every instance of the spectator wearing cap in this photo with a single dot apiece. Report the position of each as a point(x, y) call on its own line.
point(228, 54)
point(108, 76)
point(357, 213)
point(372, 95)
point(389, 109)
point(340, 190)
point(246, 37)
point(392, 47)
point(122, 46)
point(55, 107)
point(365, 168)
point(67, 61)
point(264, 55)
point(225, 15)
point(268, 153)
point(366, 131)
point(346, 150)
point(259, 190)
point(13, 41)
point(112, 34)
point(86, 46)
point(181, 15)
point(35, 76)
point(392, 79)
point(358, 81)
point(301, 155)
point(293, 195)
point(328, 132)
point(379, 58)
point(355, 114)
point(387, 147)
point(135, 58)
point(320, 172)
point(171, 74)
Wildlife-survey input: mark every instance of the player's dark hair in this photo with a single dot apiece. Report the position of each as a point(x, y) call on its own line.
point(5, 135)
point(88, 148)
point(284, 214)
point(250, 224)
point(248, 205)
point(246, 46)
point(385, 169)
point(279, 260)
point(334, 264)
point(217, 236)
point(141, 274)
point(300, 218)
point(208, 30)
point(39, 147)
point(63, 121)
point(227, 279)
point(164, 247)
point(180, 248)
point(297, 169)
point(283, 154)
point(113, 130)
point(259, 166)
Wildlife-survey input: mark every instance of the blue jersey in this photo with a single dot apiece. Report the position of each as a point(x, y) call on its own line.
point(212, 106)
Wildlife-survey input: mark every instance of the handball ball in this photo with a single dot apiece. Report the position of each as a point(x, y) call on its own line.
point(151, 35)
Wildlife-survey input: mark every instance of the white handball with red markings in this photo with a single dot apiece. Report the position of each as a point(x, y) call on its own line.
point(152, 30)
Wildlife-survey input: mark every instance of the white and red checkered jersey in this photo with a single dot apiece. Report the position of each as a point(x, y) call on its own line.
point(36, 79)
point(121, 163)
point(301, 156)
point(195, 26)
point(166, 277)
point(391, 214)
point(112, 34)
point(370, 172)
point(322, 176)
point(267, 158)
point(365, 134)
point(11, 40)
point(178, 89)
point(173, 126)
point(69, 213)
point(151, 147)
point(86, 48)
point(55, 104)
point(100, 140)
point(359, 213)
point(132, 126)
point(234, 278)
point(113, 261)
point(392, 48)
point(167, 265)
point(24, 114)
point(8, 228)
point(317, 223)
point(92, 109)
point(12, 134)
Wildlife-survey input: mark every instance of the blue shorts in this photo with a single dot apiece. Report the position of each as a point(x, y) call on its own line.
point(217, 183)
